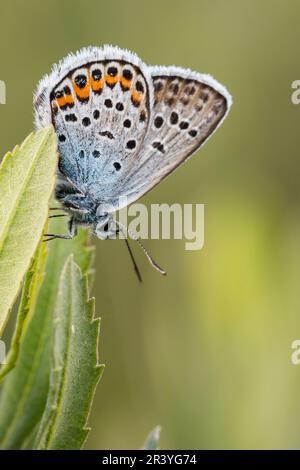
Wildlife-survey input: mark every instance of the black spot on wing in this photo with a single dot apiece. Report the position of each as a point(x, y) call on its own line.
point(107, 134)
point(158, 146)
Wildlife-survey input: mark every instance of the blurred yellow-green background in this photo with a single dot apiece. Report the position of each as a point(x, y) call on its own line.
point(205, 352)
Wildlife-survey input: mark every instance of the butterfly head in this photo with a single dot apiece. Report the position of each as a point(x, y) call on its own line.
point(105, 227)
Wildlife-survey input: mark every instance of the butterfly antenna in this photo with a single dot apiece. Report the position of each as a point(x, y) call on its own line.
point(148, 256)
point(136, 269)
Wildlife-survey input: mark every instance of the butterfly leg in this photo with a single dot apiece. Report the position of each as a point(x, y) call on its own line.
point(57, 215)
point(67, 236)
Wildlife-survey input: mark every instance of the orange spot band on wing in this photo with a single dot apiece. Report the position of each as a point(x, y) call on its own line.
point(125, 83)
point(69, 99)
point(82, 93)
point(111, 80)
point(64, 100)
point(97, 84)
point(136, 97)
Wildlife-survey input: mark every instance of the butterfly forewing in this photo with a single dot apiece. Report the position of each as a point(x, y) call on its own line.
point(100, 112)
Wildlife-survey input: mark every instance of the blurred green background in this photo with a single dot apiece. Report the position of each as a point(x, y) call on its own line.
point(205, 352)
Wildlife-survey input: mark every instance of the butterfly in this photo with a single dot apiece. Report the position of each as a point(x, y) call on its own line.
point(122, 128)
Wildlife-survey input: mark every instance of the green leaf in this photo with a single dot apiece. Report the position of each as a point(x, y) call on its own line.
point(152, 440)
point(26, 184)
point(25, 388)
point(75, 371)
point(32, 283)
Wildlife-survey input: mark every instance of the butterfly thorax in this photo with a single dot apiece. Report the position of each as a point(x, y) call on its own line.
point(78, 204)
point(84, 210)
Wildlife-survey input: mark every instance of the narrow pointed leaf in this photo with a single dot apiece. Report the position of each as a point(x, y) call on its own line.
point(26, 184)
point(25, 388)
point(32, 283)
point(75, 370)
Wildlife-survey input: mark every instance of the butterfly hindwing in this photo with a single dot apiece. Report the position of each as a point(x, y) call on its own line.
point(187, 108)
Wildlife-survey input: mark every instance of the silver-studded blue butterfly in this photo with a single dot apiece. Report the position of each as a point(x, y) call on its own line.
point(122, 127)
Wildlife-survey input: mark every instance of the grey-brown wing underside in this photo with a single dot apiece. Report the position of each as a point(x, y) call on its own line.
point(188, 108)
